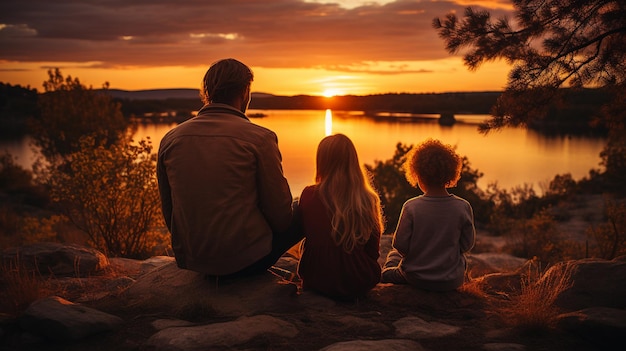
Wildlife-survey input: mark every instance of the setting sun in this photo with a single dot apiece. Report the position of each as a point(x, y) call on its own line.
point(331, 92)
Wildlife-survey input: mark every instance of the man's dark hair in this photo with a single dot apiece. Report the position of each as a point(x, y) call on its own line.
point(224, 81)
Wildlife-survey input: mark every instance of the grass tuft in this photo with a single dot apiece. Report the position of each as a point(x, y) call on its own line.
point(534, 309)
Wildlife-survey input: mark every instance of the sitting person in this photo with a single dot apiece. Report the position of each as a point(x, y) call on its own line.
point(225, 199)
point(342, 220)
point(435, 229)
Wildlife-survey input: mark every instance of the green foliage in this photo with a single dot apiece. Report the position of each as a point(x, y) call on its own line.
point(109, 191)
point(68, 111)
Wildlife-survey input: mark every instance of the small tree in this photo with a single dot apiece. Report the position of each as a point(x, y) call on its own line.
point(70, 110)
point(110, 193)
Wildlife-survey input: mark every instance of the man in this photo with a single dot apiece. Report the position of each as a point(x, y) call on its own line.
point(225, 199)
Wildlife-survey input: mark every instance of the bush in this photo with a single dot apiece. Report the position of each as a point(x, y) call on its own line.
point(610, 237)
point(110, 193)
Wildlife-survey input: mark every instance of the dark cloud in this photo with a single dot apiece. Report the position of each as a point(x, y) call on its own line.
point(283, 33)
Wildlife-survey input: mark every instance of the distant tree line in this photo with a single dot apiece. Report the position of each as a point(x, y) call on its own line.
point(19, 105)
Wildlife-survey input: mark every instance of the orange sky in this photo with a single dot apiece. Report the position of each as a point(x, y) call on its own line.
point(294, 47)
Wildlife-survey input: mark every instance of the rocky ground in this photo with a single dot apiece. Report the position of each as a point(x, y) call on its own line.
point(96, 303)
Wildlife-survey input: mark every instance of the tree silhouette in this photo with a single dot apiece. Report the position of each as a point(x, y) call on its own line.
point(552, 44)
point(70, 110)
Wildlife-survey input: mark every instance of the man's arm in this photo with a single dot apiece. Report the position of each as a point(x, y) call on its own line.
point(274, 194)
point(165, 193)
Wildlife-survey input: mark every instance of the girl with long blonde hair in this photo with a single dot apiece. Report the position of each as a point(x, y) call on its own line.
point(342, 221)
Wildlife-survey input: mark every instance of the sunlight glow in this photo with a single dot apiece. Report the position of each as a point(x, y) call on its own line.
point(227, 36)
point(328, 123)
point(350, 4)
point(331, 92)
point(447, 75)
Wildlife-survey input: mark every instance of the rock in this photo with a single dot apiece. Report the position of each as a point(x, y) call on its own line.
point(592, 283)
point(361, 326)
point(499, 346)
point(316, 302)
point(60, 260)
point(155, 262)
point(486, 263)
point(59, 319)
point(509, 283)
point(227, 334)
point(601, 325)
point(417, 328)
point(368, 345)
point(126, 266)
point(457, 304)
point(236, 297)
point(161, 324)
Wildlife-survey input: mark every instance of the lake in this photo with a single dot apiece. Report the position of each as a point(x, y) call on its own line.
point(510, 157)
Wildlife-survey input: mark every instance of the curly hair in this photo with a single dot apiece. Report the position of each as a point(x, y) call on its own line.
point(434, 164)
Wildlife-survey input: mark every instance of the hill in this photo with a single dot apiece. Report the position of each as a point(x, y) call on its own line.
point(164, 94)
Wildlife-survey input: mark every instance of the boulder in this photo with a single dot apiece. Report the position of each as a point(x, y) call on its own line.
point(59, 319)
point(368, 345)
point(416, 328)
point(590, 283)
point(601, 325)
point(60, 260)
point(216, 335)
point(183, 292)
point(488, 262)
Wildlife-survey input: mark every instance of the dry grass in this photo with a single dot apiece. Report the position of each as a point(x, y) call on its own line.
point(20, 287)
point(534, 309)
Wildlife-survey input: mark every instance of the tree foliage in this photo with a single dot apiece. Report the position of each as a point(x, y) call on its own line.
point(70, 110)
point(17, 105)
point(552, 44)
point(393, 188)
point(110, 193)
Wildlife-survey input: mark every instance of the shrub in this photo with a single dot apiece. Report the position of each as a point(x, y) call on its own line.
point(610, 237)
point(110, 193)
point(539, 237)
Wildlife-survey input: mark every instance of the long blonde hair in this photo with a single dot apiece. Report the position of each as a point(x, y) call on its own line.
point(345, 190)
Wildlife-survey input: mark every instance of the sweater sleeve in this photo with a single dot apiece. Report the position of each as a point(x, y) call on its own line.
point(404, 231)
point(468, 231)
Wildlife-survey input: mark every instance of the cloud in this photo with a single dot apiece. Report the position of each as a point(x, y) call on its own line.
point(345, 35)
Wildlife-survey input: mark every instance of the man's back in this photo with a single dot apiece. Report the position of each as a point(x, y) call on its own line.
point(227, 192)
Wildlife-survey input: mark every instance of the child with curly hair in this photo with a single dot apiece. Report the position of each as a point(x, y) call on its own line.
point(342, 220)
point(435, 229)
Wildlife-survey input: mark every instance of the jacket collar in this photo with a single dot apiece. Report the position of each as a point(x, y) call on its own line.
point(221, 108)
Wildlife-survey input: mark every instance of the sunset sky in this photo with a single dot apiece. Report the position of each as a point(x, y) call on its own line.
point(294, 47)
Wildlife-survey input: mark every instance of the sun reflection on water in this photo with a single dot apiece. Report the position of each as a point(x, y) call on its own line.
point(328, 123)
